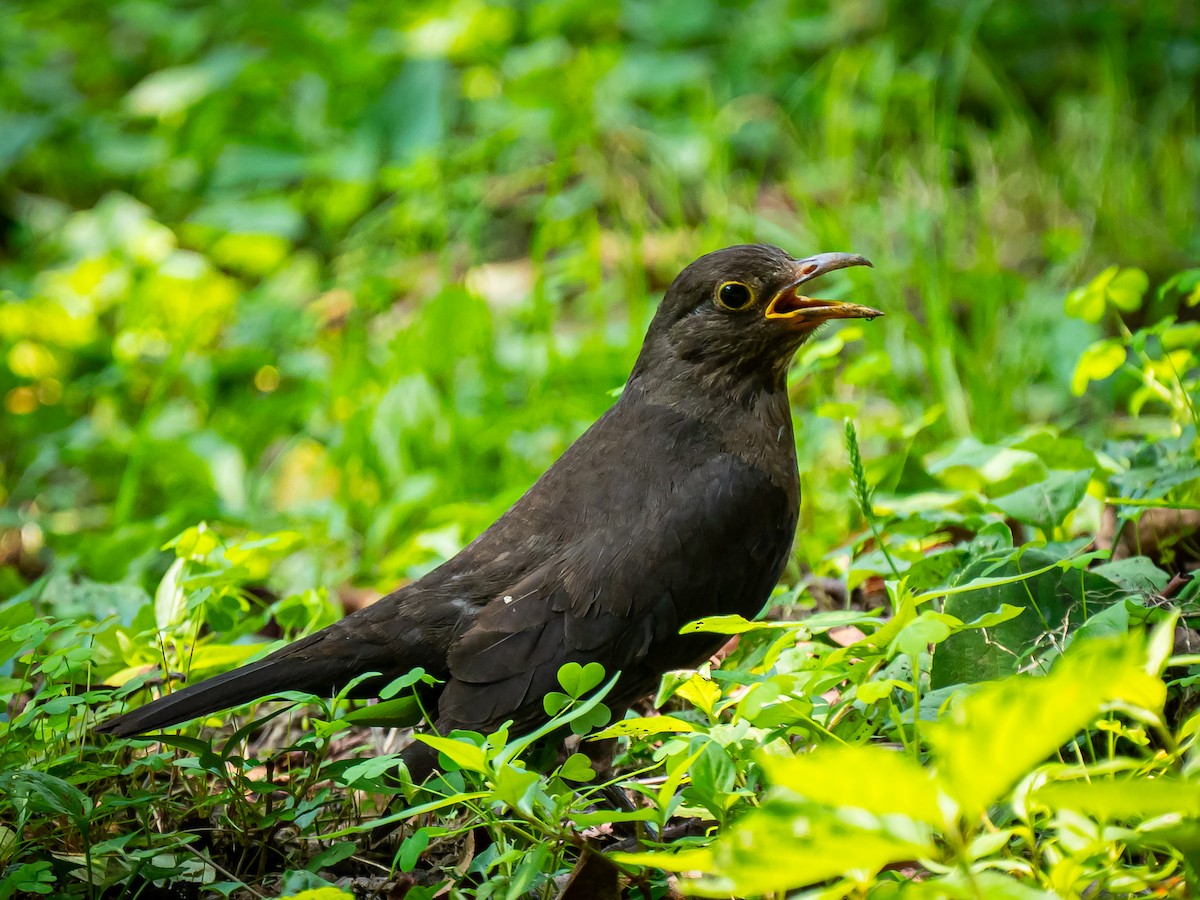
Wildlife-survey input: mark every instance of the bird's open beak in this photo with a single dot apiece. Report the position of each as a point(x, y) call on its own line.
point(807, 312)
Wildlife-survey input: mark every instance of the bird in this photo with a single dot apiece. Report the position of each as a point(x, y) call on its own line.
point(678, 503)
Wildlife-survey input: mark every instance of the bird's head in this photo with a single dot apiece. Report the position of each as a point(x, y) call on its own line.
point(738, 315)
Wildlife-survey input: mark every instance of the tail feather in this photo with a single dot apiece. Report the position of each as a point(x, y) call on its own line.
point(276, 673)
point(377, 639)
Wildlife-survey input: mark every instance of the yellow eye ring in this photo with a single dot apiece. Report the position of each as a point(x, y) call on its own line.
point(734, 295)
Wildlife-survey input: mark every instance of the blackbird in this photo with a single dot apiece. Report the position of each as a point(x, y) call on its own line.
point(679, 502)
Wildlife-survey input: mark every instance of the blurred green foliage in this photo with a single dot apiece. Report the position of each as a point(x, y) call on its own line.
point(296, 298)
point(364, 270)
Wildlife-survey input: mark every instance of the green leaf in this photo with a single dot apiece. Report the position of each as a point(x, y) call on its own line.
point(996, 735)
point(577, 768)
point(1084, 304)
point(1123, 288)
point(1050, 599)
point(703, 693)
point(1048, 502)
point(802, 847)
point(1137, 574)
point(412, 848)
point(725, 625)
point(518, 787)
point(170, 600)
point(370, 769)
point(882, 782)
point(1126, 289)
point(644, 727)
point(971, 466)
point(1123, 798)
point(874, 691)
point(577, 680)
point(928, 628)
point(461, 752)
point(1097, 362)
point(597, 717)
point(331, 856)
point(392, 688)
point(1006, 613)
point(399, 712)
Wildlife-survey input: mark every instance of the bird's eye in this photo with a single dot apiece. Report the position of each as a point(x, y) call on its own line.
point(734, 295)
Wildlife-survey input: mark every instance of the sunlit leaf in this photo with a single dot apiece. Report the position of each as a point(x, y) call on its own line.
point(462, 753)
point(1097, 362)
point(170, 600)
point(880, 781)
point(1123, 798)
point(644, 727)
point(996, 735)
point(803, 848)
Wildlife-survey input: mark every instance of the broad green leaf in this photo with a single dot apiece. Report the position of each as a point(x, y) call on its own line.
point(1047, 502)
point(802, 848)
point(1137, 574)
point(463, 754)
point(1050, 599)
point(1108, 623)
point(194, 543)
point(1185, 335)
point(971, 465)
point(882, 782)
point(998, 734)
point(1123, 798)
point(370, 769)
point(331, 856)
point(1084, 304)
point(412, 848)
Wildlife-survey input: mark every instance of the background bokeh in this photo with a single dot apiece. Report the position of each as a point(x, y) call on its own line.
point(358, 272)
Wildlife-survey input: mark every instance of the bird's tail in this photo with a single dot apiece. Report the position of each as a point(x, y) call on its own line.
point(287, 669)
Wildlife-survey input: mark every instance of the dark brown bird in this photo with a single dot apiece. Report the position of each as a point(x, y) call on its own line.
point(679, 502)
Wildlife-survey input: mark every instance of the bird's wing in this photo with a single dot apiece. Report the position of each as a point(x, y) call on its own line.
point(713, 539)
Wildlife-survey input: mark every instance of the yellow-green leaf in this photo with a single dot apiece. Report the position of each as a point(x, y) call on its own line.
point(996, 735)
point(1097, 362)
point(461, 753)
point(644, 726)
point(882, 782)
point(1123, 798)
